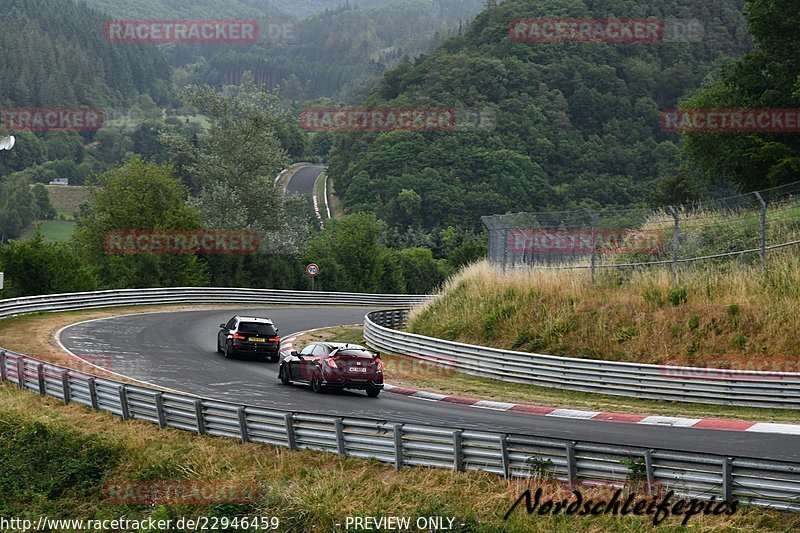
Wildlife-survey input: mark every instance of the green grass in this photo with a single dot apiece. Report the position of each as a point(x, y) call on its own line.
point(51, 230)
point(66, 199)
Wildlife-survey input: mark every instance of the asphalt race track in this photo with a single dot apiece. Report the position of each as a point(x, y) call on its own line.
point(177, 350)
point(302, 181)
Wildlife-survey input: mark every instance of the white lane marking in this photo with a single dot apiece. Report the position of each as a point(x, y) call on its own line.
point(669, 421)
point(769, 427)
point(497, 406)
point(430, 396)
point(573, 413)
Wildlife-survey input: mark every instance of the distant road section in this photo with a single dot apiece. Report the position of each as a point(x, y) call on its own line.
point(303, 180)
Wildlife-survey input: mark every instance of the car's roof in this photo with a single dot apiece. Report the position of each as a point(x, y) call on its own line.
point(255, 319)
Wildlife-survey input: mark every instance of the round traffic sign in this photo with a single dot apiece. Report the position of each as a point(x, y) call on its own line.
point(312, 269)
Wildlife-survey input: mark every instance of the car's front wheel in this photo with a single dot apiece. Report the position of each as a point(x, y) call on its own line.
point(316, 383)
point(373, 392)
point(283, 375)
point(219, 348)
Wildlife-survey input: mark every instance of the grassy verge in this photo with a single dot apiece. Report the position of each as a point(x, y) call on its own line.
point(405, 372)
point(57, 460)
point(337, 209)
point(718, 319)
point(319, 192)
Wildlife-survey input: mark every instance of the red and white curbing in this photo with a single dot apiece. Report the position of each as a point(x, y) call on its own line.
point(625, 418)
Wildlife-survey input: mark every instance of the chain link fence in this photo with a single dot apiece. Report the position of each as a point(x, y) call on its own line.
point(744, 227)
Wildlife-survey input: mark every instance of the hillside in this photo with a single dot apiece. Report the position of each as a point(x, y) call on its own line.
point(570, 116)
point(54, 54)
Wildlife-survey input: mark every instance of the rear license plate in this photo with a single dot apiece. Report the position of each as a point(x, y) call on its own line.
point(357, 369)
point(255, 339)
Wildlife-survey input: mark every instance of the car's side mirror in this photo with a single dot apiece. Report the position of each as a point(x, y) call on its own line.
point(295, 353)
point(222, 326)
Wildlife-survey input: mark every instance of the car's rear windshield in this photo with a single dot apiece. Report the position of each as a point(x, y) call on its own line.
point(257, 328)
point(354, 353)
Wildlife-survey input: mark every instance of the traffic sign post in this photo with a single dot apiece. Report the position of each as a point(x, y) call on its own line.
point(312, 270)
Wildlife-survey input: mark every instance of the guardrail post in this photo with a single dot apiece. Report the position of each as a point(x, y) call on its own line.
point(572, 467)
point(65, 386)
point(505, 459)
point(93, 392)
point(40, 378)
point(727, 478)
point(3, 373)
point(675, 233)
point(21, 373)
point(198, 414)
point(458, 457)
point(648, 468)
point(340, 445)
point(398, 446)
point(123, 402)
point(289, 419)
point(243, 424)
point(763, 228)
point(162, 419)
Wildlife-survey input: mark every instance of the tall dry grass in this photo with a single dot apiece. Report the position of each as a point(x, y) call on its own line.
point(720, 316)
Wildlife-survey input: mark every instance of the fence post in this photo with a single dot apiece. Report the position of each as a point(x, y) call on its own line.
point(504, 455)
point(727, 478)
point(648, 468)
point(243, 424)
point(93, 392)
point(40, 378)
point(198, 415)
point(572, 467)
point(763, 229)
point(162, 419)
point(21, 373)
point(505, 248)
point(123, 402)
point(340, 445)
point(398, 446)
point(458, 458)
point(594, 245)
point(674, 243)
point(3, 375)
point(65, 386)
point(289, 420)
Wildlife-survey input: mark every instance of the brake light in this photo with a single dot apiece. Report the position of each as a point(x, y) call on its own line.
point(332, 363)
point(379, 363)
point(274, 339)
point(238, 336)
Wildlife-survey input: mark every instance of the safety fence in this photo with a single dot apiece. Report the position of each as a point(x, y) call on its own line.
point(774, 484)
point(745, 226)
point(672, 383)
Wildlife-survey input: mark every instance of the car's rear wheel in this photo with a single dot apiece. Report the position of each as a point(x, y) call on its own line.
point(283, 375)
point(316, 383)
point(229, 351)
point(373, 392)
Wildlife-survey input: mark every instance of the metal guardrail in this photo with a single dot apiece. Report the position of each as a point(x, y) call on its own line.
point(178, 295)
point(774, 484)
point(673, 383)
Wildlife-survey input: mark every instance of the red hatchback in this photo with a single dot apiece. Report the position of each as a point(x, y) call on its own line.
point(334, 365)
